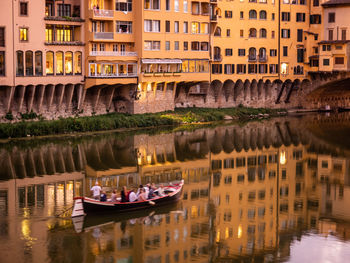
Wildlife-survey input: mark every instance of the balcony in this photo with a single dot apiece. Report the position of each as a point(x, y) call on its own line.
point(252, 58)
point(263, 58)
point(113, 54)
point(64, 43)
point(213, 18)
point(115, 75)
point(217, 58)
point(103, 13)
point(104, 35)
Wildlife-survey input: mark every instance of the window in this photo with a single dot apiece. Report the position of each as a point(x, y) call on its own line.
point(285, 16)
point(59, 63)
point(186, 27)
point(152, 45)
point(285, 51)
point(330, 34)
point(241, 33)
point(64, 10)
point(300, 55)
point(331, 17)
point(176, 27)
point(49, 9)
point(2, 63)
point(167, 5)
point(102, 47)
point(252, 14)
point(228, 32)
point(185, 46)
point(273, 68)
point(167, 26)
point(262, 33)
point(262, 15)
point(68, 63)
point(152, 25)
point(216, 68)
point(241, 15)
point(23, 8)
point(77, 63)
point(49, 63)
point(176, 6)
point(217, 32)
point(339, 60)
point(241, 52)
point(152, 4)
point(300, 35)
point(19, 63)
point(300, 17)
point(241, 68)
point(23, 34)
point(167, 45)
point(176, 45)
point(273, 16)
point(29, 63)
point(123, 5)
point(315, 19)
point(252, 32)
point(2, 36)
point(273, 52)
point(316, 2)
point(285, 33)
point(185, 6)
point(343, 34)
point(124, 27)
point(204, 28)
point(228, 14)
point(272, 34)
point(228, 52)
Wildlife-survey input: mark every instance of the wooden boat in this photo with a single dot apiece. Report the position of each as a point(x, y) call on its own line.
point(87, 205)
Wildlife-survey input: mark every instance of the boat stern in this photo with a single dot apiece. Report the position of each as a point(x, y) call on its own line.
point(78, 209)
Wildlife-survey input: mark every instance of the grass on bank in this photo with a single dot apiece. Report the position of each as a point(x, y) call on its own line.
point(113, 121)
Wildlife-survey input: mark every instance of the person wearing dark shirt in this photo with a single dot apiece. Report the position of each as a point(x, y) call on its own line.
point(103, 197)
point(124, 195)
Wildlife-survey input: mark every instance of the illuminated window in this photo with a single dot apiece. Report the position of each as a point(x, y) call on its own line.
point(49, 34)
point(284, 68)
point(204, 28)
point(29, 63)
point(68, 63)
point(77, 63)
point(49, 63)
point(59, 63)
point(195, 29)
point(23, 34)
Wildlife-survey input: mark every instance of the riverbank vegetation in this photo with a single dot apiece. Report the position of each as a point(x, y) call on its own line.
point(114, 121)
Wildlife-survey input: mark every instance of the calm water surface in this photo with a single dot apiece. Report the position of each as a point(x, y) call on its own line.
point(270, 191)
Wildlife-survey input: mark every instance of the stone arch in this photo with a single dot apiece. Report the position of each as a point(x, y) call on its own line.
point(238, 91)
point(268, 89)
point(228, 88)
point(29, 97)
point(246, 90)
point(49, 96)
point(215, 89)
point(254, 90)
point(261, 90)
point(121, 99)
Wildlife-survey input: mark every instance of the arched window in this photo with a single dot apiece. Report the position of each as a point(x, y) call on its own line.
point(49, 63)
point(38, 63)
point(262, 53)
point(262, 33)
point(217, 32)
point(59, 63)
point(252, 53)
point(252, 32)
point(29, 63)
point(68, 63)
point(19, 63)
point(252, 14)
point(217, 53)
point(77, 63)
point(262, 14)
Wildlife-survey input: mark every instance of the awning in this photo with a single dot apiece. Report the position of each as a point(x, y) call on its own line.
point(161, 61)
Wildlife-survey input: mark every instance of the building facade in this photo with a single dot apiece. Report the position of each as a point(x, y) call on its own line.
point(74, 57)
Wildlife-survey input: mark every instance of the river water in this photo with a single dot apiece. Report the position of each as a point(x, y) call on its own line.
point(269, 191)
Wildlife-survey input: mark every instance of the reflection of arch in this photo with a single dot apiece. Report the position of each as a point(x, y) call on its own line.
point(228, 87)
point(238, 90)
point(238, 143)
point(252, 14)
point(215, 145)
point(217, 32)
point(227, 142)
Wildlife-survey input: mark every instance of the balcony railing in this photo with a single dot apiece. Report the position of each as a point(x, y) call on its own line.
point(217, 57)
point(213, 17)
point(115, 75)
point(104, 35)
point(251, 58)
point(262, 58)
point(113, 54)
point(103, 13)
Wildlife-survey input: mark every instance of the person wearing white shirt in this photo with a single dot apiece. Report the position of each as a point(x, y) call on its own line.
point(96, 191)
point(132, 196)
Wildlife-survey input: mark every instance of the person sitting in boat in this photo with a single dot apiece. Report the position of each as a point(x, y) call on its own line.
point(103, 197)
point(139, 189)
point(132, 196)
point(147, 188)
point(151, 193)
point(142, 195)
point(160, 190)
point(124, 195)
point(113, 196)
point(96, 191)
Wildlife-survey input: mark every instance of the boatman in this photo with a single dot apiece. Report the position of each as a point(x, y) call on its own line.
point(96, 191)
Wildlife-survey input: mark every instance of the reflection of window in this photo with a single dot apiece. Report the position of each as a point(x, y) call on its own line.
point(49, 62)
point(77, 63)
point(68, 63)
point(23, 34)
point(19, 64)
point(38, 63)
point(2, 63)
point(29, 63)
point(59, 63)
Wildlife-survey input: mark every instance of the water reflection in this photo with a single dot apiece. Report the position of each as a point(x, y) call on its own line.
point(252, 193)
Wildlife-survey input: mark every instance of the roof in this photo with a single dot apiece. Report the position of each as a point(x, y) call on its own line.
point(334, 42)
point(336, 2)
